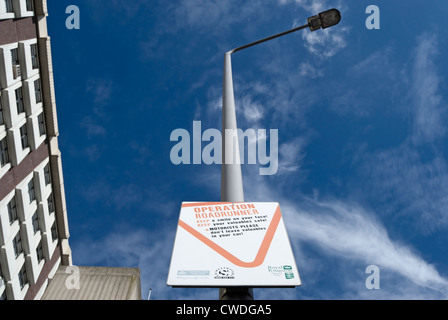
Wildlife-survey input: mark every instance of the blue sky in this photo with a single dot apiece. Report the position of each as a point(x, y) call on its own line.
point(361, 114)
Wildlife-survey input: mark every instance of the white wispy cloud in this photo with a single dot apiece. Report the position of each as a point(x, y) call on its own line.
point(291, 155)
point(412, 183)
point(92, 128)
point(212, 16)
point(376, 75)
point(341, 231)
point(324, 43)
point(310, 71)
point(101, 89)
point(119, 196)
point(92, 152)
point(253, 112)
point(347, 231)
point(125, 10)
point(350, 235)
point(411, 177)
point(148, 250)
point(428, 105)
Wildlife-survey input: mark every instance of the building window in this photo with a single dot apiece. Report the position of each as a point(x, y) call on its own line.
point(37, 91)
point(54, 232)
point(17, 244)
point(15, 63)
point(2, 121)
point(41, 122)
point(8, 5)
point(34, 57)
point(4, 154)
point(40, 252)
point(47, 174)
point(3, 295)
point(31, 191)
point(29, 5)
point(15, 56)
point(24, 137)
point(23, 278)
point(35, 220)
point(12, 210)
point(19, 100)
point(50, 204)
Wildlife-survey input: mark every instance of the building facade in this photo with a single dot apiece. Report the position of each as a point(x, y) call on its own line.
point(33, 218)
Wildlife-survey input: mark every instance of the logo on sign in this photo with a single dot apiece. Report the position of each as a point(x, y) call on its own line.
point(288, 272)
point(224, 273)
point(279, 270)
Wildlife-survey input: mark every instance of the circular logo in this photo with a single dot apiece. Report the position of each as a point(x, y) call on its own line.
point(224, 273)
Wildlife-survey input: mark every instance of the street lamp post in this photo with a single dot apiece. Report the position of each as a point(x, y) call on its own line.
point(231, 178)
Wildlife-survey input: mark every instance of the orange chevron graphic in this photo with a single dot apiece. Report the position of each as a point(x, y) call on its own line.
point(262, 251)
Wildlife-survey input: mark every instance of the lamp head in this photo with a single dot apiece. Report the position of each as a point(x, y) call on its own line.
point(324, 19)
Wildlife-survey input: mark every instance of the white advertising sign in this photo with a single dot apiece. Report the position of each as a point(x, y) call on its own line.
point(224, 244)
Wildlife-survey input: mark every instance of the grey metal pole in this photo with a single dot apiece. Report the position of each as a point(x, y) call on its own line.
point(231, 178)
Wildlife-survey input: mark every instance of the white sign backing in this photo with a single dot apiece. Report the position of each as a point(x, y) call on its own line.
point(223, 244)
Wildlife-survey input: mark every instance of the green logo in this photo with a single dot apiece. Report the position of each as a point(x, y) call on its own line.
point(288, 272)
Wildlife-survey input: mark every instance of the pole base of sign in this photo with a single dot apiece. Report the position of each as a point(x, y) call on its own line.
point(236, 293)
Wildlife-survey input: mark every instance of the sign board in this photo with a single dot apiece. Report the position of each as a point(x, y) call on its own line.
point(224, 244)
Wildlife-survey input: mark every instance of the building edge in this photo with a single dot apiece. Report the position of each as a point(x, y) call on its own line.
point(48, 93)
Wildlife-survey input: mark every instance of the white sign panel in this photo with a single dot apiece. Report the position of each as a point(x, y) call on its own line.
point(224, 244)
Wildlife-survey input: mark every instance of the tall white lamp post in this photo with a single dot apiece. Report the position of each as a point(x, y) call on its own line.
point(231, 178)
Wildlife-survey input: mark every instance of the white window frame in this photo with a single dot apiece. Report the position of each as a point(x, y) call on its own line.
point(23, 276)
point(2, 117)
point(10, 106)
point(12, 206)
point(37, 90)
point(7, 77)
point(28, 58)
point(24, 139)
point(4, 14)
point(7, 230)
point(50, 204)
point(35, 222)
point(29, 5)
point(20, 100)
point(47, 174)
point(35, 139)
point(32, 106)
point(5, 168)
point(41, 124)
point(17, 154)
point(17, 244)
point(5, 158)
point(21, 9)
point(31, 190)
point(40, 252)
point(9, 6)
point(34, 56)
